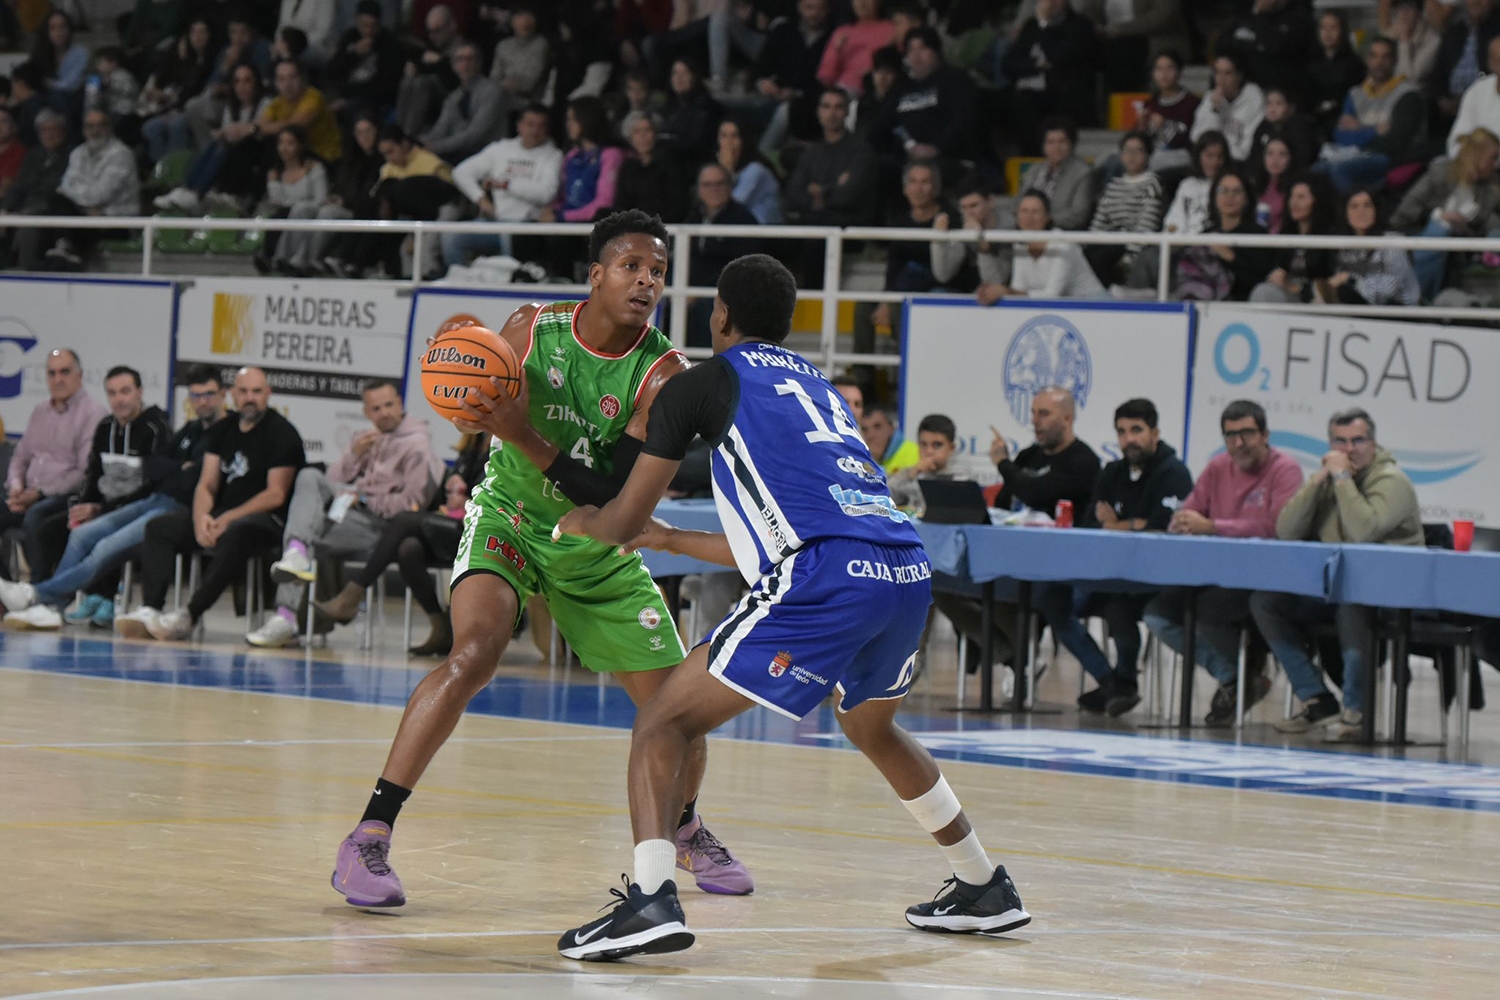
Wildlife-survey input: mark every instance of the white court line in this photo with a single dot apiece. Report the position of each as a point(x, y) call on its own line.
point(620, 735)
point(1237, 933)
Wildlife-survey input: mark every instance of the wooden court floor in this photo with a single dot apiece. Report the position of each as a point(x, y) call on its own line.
point(167, 832)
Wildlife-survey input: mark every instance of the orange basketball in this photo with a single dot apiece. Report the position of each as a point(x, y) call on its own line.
point(465, 358)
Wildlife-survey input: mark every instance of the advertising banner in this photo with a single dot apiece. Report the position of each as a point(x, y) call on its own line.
point(982, 366)
point(1420, 382)
point(107, 321)
point(317, 341)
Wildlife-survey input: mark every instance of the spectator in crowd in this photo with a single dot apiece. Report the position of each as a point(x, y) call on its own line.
point(834, 181)
point(590, 170)
point(512, 180)
point(472, 114)
point(1274, 171)
point(1384, 124)
point(755, 185)
point(1063, 176)
point(520, 65)
point(296, 188)
point(28, 99)
point(366, 65)
point(1458, 197)
point(118, 93)
point(1283, 121)
point(1480, 106)
point(1057, 467)
point(635, 97)
point(691, 117)
point(1308, 212)
point(979, 210)
point(428, 76)
point(635, 21)
point(148, 26)
point(32, 191)
point(388, 470)
point(1129, 33)
point(936, 445)
point(787, 89)
point(1234, 108)
point(239, 506)
point(1270, 40)
point(1167, 115)
point(887, 70)
point(1374, 277)
point(1334, 70)
point(62, 59)
point(12, 152)
point(1131, 203)
point(882, 434)
point(853, 394)
point(116, 476)
point(1239, 494)
point(245, 45)
point(1051, 63)
point(98, 548)
point(649, 180)
point(349, 197)
point(1044, 270)
point(314, 18)
point(297, 104)
point(291, 43)
point(708, 255)
point(1358, 496)
point(851, 48)
point(228, 163)
point(908, 265)
point(933, 114)
point(1416, 38)
point(1225, 273)
point(1188, 212)
point(180, 73)
point(1461, 54)
point(1138, 492)
point(100, 180)
point(414, 184)
point(50, 461)
point(416, 540)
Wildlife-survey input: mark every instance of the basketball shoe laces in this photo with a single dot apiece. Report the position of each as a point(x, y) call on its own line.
point(951, 885)
point(704, 842)
point(372, 855)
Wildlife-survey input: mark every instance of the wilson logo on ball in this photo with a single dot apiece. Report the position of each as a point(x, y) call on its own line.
point(453, 356)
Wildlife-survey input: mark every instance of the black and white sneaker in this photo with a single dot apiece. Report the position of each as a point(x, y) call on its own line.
point(993, 908)
point(638, 925)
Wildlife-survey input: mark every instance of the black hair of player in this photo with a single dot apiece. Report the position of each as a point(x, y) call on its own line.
point(619, 224)
point(760, 295)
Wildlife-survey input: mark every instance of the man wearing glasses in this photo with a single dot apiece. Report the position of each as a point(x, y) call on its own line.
point(50, 462)
point(1239, 495)
point(1359, 496)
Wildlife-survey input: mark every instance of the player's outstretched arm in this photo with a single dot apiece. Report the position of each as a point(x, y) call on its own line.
point(623, 518)
point(707, 546)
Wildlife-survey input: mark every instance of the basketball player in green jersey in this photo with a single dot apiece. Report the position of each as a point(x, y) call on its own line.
point(592, 370)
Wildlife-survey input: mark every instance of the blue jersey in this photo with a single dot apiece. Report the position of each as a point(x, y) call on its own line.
point(791, 466)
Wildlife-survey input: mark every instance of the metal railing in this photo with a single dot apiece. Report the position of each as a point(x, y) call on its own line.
point(679, 292)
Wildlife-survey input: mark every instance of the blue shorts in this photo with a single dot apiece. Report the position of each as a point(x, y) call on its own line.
point(839, 613)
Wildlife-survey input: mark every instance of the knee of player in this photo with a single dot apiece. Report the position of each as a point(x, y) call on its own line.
point(476, 658)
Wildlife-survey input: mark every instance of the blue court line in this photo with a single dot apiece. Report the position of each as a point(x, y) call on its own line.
point(576, 699)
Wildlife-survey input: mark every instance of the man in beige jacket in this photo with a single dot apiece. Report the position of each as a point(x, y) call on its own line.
point(1359, 496)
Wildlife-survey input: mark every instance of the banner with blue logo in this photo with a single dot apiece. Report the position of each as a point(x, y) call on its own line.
point(982, 367)
point(108, 321)
point(1420, 382)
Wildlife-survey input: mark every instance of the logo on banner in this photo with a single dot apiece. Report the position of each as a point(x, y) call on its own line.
point(233, 323)
point(1046, 351)
point(16, 340)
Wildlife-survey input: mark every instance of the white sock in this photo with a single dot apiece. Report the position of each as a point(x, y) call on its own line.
point(655, 861)
point(967, 857)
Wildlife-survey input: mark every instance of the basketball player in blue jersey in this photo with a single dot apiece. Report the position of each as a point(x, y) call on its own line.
point(838, 602)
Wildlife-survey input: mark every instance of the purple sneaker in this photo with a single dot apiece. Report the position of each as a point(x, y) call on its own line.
point(713, 867)
point(362, 873)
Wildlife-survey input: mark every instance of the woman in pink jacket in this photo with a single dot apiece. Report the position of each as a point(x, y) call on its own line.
point(589, 172)
point(852, 48)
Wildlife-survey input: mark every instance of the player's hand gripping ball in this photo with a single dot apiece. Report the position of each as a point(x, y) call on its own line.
point(465, 358)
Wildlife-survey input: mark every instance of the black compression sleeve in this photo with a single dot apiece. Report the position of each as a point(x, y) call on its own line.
point(585, 486)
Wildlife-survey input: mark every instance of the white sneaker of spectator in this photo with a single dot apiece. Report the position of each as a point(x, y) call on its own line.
point(277, 630)
point(37, 618)
point(294, 564)
point(181, 198)
point(136, 624)
point(171, 626)
point(16, 596)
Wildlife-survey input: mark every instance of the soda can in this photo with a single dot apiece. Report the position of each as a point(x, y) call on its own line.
point(1064, 516)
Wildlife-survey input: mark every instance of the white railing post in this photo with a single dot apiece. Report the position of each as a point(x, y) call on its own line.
point(833, 254)
point(416, 255)
point(677, 290)
point(1164, 269)
point(148, 244)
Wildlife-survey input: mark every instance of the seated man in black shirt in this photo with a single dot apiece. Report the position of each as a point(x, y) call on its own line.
point(239, 509)
point(1057, 467)
point(1140, 492)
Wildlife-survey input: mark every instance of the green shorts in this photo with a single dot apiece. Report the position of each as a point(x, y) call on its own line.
point(605, 605)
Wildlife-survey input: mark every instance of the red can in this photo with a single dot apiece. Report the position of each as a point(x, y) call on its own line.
point(1064, 516)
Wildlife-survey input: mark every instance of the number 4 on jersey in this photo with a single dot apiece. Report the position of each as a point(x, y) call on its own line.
point(843, 428)
point(581, 453)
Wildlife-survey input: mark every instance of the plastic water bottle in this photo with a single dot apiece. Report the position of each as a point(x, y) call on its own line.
point(91, 88)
